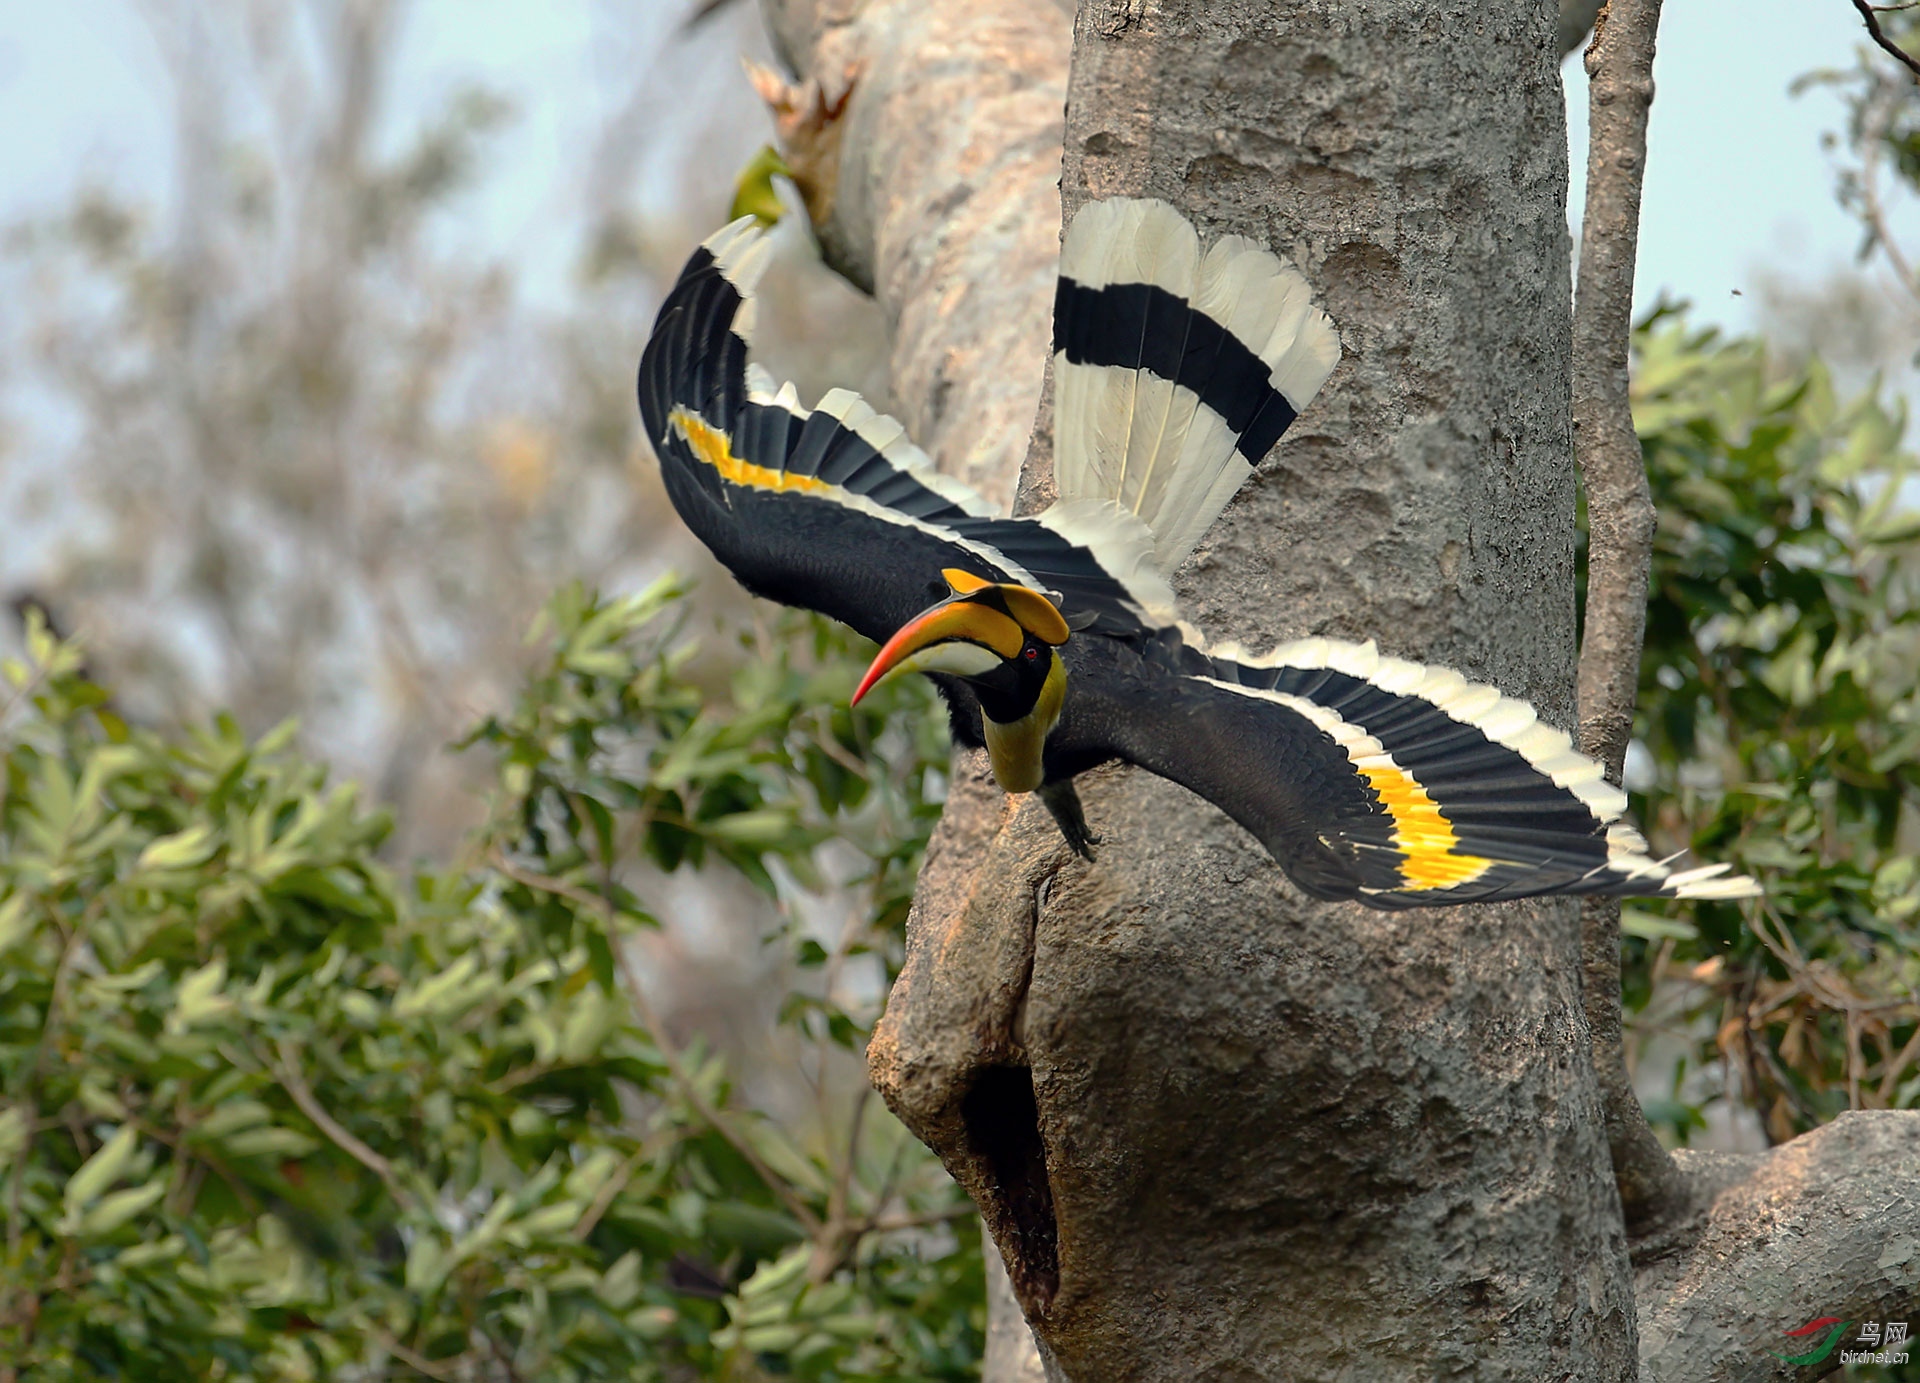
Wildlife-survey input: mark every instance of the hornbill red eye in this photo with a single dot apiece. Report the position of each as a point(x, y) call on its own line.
point(1032, 653)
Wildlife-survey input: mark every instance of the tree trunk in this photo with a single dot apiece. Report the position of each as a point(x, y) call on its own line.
point(1241, 1132)
point(1218, 1131)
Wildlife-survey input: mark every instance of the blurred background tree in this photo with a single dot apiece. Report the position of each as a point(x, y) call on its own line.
point(307, 451)
point(1863, 320)
point(293, 442)
point(1779, 724)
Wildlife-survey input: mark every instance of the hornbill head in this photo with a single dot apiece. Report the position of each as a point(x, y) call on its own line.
point(1004, 640)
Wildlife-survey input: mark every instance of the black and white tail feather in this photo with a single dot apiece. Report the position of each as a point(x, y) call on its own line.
point(1176, 370)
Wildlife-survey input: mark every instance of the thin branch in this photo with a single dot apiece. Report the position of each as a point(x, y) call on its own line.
point(1620, 524)
point(287, 1072)
point(676, 1064)
point(1870, 205)
point(445, 1370)
point(889, 1224)
point(1620, 513)
point(603, 1199)
point(504, 1359)
point(843, 1185)
point(706, 1112)
point(1897, 1065)
point(837, 1243)
point(1874, 32)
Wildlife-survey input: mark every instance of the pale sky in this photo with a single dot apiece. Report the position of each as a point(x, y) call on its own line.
point(1736, 178)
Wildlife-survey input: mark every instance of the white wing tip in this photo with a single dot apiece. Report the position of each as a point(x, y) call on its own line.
point(1299, 373)
point(1710, 881)
point(742, 250)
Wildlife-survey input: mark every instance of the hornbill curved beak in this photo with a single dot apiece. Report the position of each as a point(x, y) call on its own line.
point(978, 628)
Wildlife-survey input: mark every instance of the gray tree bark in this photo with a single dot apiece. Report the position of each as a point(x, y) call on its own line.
point(1217, 1131)
point(1408, 1098)
point(1826, 1225)
point(943, 202)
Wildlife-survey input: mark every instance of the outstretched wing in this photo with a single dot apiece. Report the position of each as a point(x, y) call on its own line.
point(834, 508)
point(1397, 784)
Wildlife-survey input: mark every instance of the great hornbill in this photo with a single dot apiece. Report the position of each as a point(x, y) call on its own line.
point(1055, 638)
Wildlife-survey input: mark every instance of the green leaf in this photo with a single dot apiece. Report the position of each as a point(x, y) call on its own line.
point(619, 1286)
point(182, 850)
point(231, 1117)
point(15, 1124)
point(16, 925)
point(474, 1030)
point(771, 1339)
point(548, 1220)
point(137, 978)
point(427, 1264)
point(767, 826)
point(269, 1142)
point(116, 1209)
point(1651, 926)
point(198, 999)
point(778, 1277)
point(104, 1168)
point(444, 994)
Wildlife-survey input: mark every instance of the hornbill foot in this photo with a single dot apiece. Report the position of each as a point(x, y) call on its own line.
point(1064, 803)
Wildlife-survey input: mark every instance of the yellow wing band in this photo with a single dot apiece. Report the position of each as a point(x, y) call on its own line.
point(1422, 832)
point(715, 448)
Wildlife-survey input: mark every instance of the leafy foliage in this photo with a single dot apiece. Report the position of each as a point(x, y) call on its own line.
point(267, 1111)
point(1780, 708)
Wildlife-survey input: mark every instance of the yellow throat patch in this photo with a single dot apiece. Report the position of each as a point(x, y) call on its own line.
point(1017, 749)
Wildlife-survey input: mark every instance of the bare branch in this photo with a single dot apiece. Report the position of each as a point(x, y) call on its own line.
point(1872, 209)
point(1620, 523)
point(286, 1070)
point(446, 1370)
point(1620, 511)
point(656, 1030)
point(893, 1224)
point(1878, 35)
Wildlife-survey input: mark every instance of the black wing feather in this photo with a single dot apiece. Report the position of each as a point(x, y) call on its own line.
point(1384, 797)
point(1359, 791)
point(864, 543)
